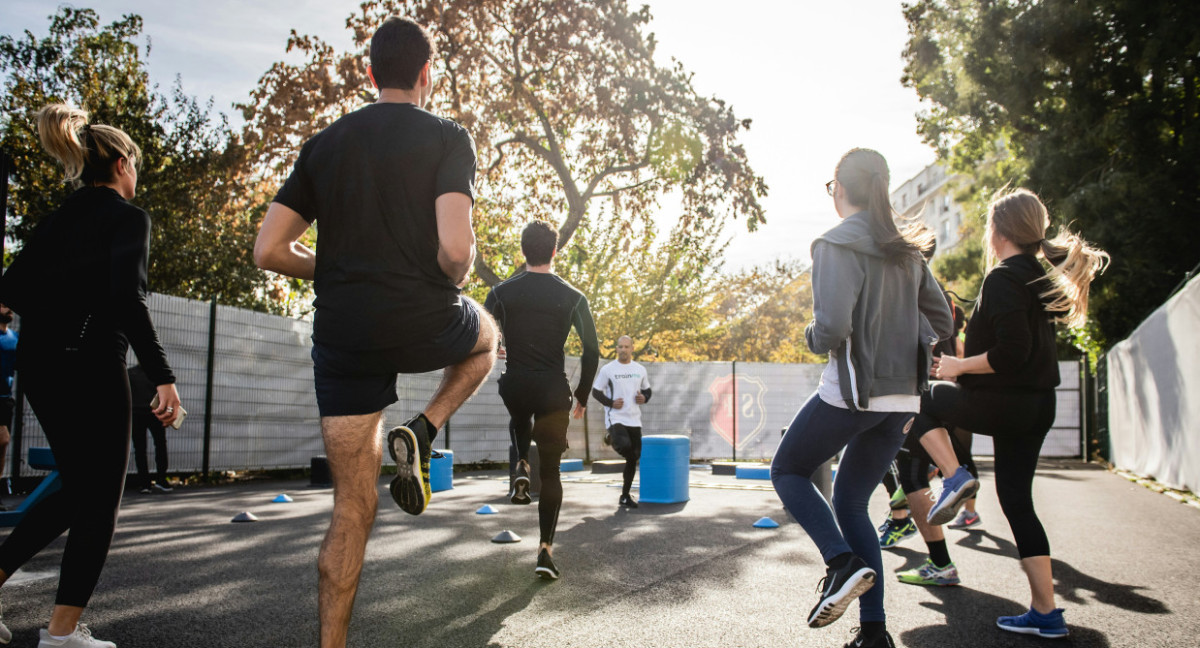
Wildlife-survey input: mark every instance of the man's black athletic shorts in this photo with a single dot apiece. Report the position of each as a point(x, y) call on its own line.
point(363, 381)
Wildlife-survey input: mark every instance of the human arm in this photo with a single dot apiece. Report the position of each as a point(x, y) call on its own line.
point(605, 400)
point(128, 268)
point(585, 327)
point(836, 282)
point(277, 247)
point(1004, 305)
point(933, 304)
point(643, 395)
point(456, 238)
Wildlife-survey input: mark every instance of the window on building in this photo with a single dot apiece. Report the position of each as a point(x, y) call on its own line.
point(946, 203)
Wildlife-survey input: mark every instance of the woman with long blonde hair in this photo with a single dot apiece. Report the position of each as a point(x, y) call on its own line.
point(79, 285)
point(1006, 380)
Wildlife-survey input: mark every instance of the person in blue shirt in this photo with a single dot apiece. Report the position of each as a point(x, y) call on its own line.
point(8, 360)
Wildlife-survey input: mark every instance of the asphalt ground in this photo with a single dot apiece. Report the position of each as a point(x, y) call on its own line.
point(686, 575)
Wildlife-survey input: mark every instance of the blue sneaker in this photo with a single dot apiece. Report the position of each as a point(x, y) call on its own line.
point(897, 531)
point(1048, 626)
point(956, 490)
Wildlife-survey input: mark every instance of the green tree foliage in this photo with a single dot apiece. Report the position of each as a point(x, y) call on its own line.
point(1092, 104)
point(763, 313)
point(204, 215)
point(574, 122)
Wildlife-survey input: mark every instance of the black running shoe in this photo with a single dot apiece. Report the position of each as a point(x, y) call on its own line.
point(545, 567)
point(410, 487)
point(882, 641)
point(519, 494)
point(838, 589)
point(627, 502)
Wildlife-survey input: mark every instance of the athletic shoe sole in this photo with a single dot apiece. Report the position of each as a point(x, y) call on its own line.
point(832, 608)
point(408, 488)
point(545, 573)
point(1036, 632)
point(520, 491)
point(949, 508)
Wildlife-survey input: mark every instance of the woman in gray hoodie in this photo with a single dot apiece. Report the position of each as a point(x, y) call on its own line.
point(877, 311)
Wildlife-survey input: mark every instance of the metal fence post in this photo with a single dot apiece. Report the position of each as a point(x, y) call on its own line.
point(208, 386)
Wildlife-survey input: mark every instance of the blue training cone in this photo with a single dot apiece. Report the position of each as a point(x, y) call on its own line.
point(487, 509)
point(766, 523)
point(282, 498)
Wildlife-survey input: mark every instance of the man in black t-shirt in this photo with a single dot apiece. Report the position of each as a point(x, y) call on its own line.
point(391, 188)
point(536, 310)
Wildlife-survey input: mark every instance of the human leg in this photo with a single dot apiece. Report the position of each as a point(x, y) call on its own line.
point(138, 437)
point(159, 433)
point(352, 445)
point(815, 435)
point(460, 381)
point(632, 456)
point(864, 462)
point(516, 392)
point(1016, 463)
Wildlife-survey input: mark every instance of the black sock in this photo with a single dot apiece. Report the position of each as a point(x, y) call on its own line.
point(872, 630)
point(432, 431)
point(840, 560)
point(939, 554)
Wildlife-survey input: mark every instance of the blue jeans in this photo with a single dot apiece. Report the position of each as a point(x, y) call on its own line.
point(871, 440)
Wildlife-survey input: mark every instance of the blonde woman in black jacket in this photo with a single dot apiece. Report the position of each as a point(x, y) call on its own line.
point(79, 285)
point(1005, 383)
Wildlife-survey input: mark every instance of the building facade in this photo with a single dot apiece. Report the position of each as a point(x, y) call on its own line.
point(927, 196)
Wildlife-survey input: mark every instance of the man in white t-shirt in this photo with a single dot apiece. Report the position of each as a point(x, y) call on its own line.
point(622, 387)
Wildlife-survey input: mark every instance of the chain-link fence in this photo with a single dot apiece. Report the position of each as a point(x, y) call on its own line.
point(246, 381)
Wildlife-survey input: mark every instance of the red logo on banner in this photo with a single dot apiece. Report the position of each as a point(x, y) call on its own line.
point(743, 405)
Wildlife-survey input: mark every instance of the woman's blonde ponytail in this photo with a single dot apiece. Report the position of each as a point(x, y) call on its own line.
point(59, 129)
point(87, 152)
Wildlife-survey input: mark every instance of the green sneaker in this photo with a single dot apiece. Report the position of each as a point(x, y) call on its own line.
point(897, 531)
point(899, 500)
point(931, 575)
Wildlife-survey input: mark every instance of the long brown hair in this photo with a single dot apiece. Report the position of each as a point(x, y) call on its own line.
point(863, 174)
point(1020, 217)
point(86, 151)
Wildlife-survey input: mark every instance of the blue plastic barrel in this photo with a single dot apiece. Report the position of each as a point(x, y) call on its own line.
point(441, 472)
point(664, 469)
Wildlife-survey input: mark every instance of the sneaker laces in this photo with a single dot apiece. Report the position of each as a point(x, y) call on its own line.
point(82, 630)
point(821, 584)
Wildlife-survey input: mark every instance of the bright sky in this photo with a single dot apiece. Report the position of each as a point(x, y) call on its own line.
point(817, 78)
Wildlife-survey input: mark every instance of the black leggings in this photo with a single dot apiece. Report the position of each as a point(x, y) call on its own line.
point(539, 406)
point(144, 419)
point(913, 461)
point(1017, 421)
point(627, 441)
point(92, 453)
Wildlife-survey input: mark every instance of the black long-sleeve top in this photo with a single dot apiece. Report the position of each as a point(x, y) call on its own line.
point(1011, 325)
point(80, 282)
point(536, 311)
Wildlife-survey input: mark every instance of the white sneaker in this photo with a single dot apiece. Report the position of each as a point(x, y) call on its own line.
point(5, 633)
point(81, 638)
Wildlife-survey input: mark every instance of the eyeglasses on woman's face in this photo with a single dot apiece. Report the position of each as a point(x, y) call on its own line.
point(829, 187)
